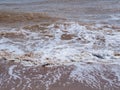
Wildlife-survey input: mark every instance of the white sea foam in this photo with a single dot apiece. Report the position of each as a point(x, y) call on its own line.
point(11, 72)
point(55, 47)
point(93, 74)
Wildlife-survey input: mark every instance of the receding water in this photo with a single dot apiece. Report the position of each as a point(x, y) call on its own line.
point(79, 38)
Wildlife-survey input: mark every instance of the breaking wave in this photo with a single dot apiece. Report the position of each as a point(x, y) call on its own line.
point(61, 43)
point(25, 17)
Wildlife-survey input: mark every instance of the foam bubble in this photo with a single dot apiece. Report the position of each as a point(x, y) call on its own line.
point(62, 43)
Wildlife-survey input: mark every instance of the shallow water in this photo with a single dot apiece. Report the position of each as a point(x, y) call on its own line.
point(61, 43)
point(91, 31)
point(84, 39)
point(19, 1)
point(74, 10)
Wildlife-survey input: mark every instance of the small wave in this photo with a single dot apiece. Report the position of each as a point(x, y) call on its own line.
point(16, 17)
point(61, 43)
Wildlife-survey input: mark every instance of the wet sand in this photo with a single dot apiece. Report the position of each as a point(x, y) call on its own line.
point(15, 76)
point(60, 44)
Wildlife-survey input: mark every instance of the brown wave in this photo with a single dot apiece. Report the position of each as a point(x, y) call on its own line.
point(12, 17)
point(12, 35)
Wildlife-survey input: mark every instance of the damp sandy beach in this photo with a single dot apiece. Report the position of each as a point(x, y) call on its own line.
point(60, 45)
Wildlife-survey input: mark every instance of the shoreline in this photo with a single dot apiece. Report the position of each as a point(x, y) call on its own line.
point(55, 77)
point(71, 46)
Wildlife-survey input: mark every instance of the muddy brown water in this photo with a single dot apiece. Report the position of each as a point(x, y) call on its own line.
point(36, 16)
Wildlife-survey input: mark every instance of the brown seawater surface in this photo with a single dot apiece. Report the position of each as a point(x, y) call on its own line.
point(60, 45)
